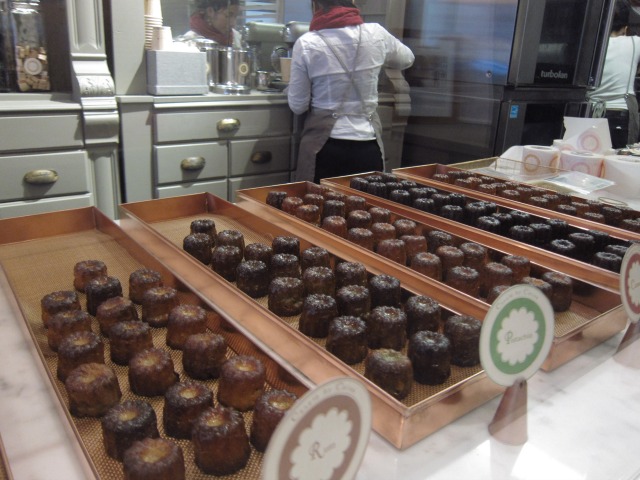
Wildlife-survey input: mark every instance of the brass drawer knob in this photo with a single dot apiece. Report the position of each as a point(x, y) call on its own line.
point(261, 157)
point(41, 177)
point(192, 163)
point(228, 125)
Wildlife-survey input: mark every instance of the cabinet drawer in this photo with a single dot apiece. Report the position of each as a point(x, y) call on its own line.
point(255, 181)
point(190, 163)
point(264, 155)
point(46, 205)
point(212, 124)
point(218, 188)
point(27, 177)
point(36, 132)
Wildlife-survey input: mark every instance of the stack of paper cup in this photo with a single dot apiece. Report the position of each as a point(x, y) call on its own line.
point(285, 68)
point(538, 159)
point(583, 161)
point(625, 171)
point(161, 38)
point(152, 19)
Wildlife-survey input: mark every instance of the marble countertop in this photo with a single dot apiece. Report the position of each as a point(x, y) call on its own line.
point(583, 423)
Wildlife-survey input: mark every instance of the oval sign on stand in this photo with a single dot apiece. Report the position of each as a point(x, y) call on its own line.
point(323, 436)
point(630, 282)
point(517, 334)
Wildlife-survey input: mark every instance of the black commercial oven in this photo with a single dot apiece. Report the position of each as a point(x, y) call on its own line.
point(490, 74)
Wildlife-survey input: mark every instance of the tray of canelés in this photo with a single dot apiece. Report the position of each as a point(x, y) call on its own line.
point(153, 381)
point(614, 218)
point(591, 255)
point(586, 314)
point(324, 308)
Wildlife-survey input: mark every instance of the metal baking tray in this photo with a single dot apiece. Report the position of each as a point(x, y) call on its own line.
point(37, 256)
point(424, 174)
point(575, 268)
point(161, 225)
point(595, 315)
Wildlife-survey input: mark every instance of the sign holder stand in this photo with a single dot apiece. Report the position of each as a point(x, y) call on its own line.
point(509, 424)
point(630, 336)
point(515, 339)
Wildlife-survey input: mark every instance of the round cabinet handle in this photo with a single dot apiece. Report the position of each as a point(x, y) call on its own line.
point(41, 177)
point(261, 157)
point(228, 125)
point(192, 163)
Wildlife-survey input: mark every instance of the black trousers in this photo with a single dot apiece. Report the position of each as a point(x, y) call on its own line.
point(338, 158)
point(618, 127)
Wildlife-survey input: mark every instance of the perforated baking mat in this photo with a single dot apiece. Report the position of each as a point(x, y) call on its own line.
point(37, 267)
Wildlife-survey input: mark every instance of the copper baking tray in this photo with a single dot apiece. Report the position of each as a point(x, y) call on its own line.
point(161, 225)
point(575, 268)
point(595, 315)
point(424, 174)
point(37, 255)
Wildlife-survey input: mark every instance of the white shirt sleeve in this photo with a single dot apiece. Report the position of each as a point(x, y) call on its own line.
point(299, 90)
point(399, 56)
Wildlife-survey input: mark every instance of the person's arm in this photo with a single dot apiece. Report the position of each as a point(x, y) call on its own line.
point(399, 56)
point(299, 89)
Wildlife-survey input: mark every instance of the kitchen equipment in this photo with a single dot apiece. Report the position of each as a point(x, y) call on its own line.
point(261, 38)
point(210, 48)
point(504, 72)
point(235, 71)
point(292, 31)
point(263, 80)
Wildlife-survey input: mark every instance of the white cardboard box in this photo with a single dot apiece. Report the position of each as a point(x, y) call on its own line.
point(176, 73)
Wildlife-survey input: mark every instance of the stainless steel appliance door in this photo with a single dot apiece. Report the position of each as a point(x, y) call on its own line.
point(463, 42)
point(536, 116)
point(560, 42)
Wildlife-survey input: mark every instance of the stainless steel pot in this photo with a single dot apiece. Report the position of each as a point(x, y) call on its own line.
point(235, 71)
point(211, 48)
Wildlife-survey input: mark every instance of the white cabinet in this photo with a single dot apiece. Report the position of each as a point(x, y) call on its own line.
point(214, 143)
point(59, 149)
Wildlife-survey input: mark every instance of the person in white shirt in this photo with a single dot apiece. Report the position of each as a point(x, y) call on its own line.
point(215, 19)
point(616, 92)
point(334, 80)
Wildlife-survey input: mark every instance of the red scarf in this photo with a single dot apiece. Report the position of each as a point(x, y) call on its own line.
point(198, 24)
point(337, 17)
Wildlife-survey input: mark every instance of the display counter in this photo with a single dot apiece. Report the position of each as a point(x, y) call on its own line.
point(582, 424)
point(581, 415)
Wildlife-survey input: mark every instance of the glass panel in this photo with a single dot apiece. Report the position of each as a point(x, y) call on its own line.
point(560, 41)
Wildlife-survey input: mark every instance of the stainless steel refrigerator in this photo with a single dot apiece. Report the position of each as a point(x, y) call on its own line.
point(490, 74)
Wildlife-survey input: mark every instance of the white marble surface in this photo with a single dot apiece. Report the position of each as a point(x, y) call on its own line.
point(583, 423)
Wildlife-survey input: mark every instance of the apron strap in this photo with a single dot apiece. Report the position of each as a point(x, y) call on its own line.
point(349, 73)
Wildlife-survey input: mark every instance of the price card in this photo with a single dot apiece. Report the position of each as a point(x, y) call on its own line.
point(630, 282)
point(517, 334)
point(323, 436)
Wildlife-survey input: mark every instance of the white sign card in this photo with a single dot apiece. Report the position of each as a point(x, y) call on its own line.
point(323, 436)
point(630, 282)
point(517, 334)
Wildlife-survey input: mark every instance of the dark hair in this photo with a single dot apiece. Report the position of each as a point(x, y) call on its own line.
point(215, 4)
point(620, 16)
point(329, 4)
